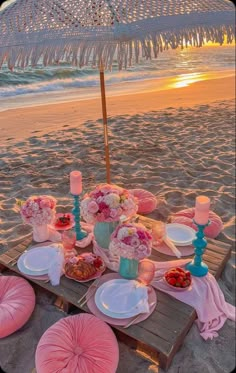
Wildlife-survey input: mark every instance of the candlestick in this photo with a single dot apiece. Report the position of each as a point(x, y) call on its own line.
point(197, 267)
point(202, 208)
point(80, 234)
point(75, 182)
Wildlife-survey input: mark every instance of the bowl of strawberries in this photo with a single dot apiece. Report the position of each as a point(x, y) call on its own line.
point(178, 279)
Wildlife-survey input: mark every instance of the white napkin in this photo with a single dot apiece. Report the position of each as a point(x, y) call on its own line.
point(119, 298)
point(56, 267)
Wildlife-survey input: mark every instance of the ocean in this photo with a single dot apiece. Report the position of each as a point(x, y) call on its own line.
point(43, 83)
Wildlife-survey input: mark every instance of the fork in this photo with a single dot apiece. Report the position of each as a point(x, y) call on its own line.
point(94, 285)
point(136, 318)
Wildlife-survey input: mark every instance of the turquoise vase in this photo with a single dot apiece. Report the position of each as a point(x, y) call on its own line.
point(128, 268)
point(102, 233)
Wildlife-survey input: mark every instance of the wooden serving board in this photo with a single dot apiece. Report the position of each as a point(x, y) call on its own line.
point(161, 335)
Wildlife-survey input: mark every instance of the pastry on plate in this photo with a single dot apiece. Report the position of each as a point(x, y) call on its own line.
point(84, 266)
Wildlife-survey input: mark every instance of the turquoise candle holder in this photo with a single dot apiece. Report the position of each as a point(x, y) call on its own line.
point(128, 268)
point(80, 234)
point(197, 267)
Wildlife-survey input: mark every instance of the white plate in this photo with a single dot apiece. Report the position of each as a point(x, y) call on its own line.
point(106, 311)
point(36, 262)
point(118, 296)
point(180, 234)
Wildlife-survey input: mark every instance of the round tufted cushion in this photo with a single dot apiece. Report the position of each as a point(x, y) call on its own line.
point(186, 217)
point(79, 344)
point(17, 302)
point(147, 202)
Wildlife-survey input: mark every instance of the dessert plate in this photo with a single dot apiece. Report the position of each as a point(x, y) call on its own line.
point(121, 297)
point(180, 234)
point(92, 277)
point(59, 227)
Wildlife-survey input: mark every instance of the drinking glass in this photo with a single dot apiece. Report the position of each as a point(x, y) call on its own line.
point(68, 239)
point(158, 231)
point(146, 272)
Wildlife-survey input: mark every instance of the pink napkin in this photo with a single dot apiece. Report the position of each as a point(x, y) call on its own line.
point(89, 238)
point(206, 297)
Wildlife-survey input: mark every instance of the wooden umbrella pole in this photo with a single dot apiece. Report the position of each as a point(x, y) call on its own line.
point(104, 115)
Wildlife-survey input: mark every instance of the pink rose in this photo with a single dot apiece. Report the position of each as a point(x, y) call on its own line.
point(141, 235)
point(114, 213)
point(135, 242)
point(127, 240)
point(102, 206)
point(93, 207)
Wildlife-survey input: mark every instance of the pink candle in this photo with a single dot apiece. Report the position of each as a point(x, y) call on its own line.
point(75, 182)
point(202, 208)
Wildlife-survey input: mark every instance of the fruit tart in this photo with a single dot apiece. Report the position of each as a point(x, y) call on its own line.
point(178, 279)
point(84, 267)
point(64, 220)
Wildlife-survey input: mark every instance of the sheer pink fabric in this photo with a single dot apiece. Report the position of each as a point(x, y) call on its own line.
point(186, 217)
point(79, 344)
point(17, 302)
point(147, 202)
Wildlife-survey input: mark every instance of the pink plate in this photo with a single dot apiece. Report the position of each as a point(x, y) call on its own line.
point(96, 275)
point(152, 299)
point(65, 227)
point(175, 288)
point(93, 277)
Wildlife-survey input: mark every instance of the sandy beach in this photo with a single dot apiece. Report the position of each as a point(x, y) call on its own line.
point(175, 142)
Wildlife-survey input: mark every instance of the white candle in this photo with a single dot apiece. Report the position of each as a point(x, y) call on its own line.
point(202, 208)
point(75, 182)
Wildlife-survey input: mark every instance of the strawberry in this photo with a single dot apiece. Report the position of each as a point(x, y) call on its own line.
point(187, 274)
point(180, 279)
point(172, 281)
point(180, 269)
point(185, 284)
point(98, 263)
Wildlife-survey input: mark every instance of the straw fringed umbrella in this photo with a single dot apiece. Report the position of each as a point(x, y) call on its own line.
point(97, 32)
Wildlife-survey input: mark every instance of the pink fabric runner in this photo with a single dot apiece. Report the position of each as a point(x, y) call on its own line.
point(205, 295)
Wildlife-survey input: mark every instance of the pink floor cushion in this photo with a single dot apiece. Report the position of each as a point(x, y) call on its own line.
point(186, 217)
point(147, 202)
point(17, 302)
point(78, 344)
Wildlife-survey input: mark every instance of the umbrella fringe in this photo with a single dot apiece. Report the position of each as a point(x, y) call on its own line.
point(81, 53)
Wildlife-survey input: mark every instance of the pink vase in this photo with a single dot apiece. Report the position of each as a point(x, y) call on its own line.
point(40, 233)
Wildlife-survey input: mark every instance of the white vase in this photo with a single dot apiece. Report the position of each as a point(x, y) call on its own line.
point(40, 233)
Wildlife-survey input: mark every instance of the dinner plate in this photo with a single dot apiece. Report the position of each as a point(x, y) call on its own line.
point(112, 299)
point(113, 320)
point(180, 234)
point(114, 315)
point(36, 261)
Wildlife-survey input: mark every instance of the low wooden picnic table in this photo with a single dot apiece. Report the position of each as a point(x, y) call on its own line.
point(158, 337)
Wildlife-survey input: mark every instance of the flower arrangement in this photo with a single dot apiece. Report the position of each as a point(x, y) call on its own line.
point(107, 203)
point(38, 210)
point(131, 241)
